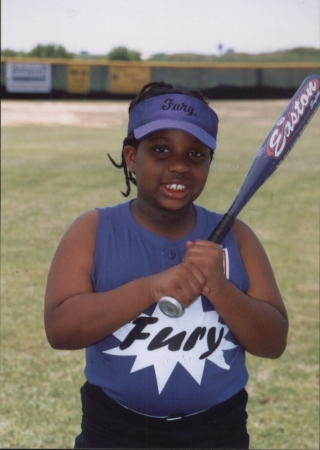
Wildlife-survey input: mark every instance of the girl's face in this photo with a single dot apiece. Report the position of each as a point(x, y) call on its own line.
point(171, 169)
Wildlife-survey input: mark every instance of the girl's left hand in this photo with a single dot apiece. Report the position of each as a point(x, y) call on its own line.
point(208, 257)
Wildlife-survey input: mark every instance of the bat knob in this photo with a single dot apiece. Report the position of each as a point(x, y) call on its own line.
point(170, 307)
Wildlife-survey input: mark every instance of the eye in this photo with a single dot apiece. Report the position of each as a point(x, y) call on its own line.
point(161, 149)
point(197, 154)
point(200, 154)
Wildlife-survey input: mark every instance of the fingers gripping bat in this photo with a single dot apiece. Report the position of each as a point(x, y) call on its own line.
point(278, 143)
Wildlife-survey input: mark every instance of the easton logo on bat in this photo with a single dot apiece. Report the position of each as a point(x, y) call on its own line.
point(288, 123)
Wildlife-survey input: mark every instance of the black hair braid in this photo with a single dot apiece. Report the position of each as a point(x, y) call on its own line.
point(152, 89)
point(128, 175)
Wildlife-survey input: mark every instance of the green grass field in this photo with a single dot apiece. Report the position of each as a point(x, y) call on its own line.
point(52, 174)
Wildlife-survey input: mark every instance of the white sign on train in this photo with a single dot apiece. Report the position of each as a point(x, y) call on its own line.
point(28, 77)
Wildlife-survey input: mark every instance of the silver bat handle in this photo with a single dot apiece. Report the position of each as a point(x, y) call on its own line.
point(169, 305)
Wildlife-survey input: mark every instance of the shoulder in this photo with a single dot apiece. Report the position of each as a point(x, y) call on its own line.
point(253, 255)
point(88, 223)
point(244, 235)
point(81, 233)
point(85, 223)
point(88, 217)
point(86, 227)
point(252, 251)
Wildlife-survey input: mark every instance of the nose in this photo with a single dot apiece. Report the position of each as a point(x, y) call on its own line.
point(179, 164)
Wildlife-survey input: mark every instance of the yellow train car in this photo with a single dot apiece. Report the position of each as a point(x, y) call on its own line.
point(62, 78)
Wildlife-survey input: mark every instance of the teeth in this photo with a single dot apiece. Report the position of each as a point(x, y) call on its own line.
point(176, 187)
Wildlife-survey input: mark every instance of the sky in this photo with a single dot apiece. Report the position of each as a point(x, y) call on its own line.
point(161, 26)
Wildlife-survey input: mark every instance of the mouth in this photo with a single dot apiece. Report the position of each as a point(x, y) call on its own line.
point(175, 190)
point(176, 187)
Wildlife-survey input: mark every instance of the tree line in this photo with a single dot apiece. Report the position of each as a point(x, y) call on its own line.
point(298, 54)
point(58, 51)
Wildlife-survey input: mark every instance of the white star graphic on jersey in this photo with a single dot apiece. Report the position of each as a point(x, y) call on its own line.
point(207, 344)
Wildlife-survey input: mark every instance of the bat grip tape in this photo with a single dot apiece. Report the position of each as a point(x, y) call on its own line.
point(222, 229)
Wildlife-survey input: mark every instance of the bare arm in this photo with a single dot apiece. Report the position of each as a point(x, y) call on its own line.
point(257, 318)
point(75, 316)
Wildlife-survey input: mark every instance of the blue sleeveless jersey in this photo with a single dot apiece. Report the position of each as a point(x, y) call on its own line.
point(157, 365)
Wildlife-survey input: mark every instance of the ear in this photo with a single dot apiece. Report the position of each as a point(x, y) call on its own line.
point(129, 154)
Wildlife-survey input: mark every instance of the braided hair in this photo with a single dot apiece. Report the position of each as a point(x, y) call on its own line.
point(149, 90)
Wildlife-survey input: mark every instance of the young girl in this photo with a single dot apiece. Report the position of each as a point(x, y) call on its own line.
point(152, 380)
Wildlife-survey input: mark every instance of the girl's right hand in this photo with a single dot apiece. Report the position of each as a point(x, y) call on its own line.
point(184, 282)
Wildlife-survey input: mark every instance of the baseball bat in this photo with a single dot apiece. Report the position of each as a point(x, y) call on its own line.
point(278, 143)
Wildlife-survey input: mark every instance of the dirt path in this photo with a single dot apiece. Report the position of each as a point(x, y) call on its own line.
point(89, 114)
point(109, 114)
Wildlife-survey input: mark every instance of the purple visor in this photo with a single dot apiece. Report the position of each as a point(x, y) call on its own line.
point(175, 111)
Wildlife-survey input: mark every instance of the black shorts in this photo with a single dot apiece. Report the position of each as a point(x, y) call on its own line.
point(106, 424)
